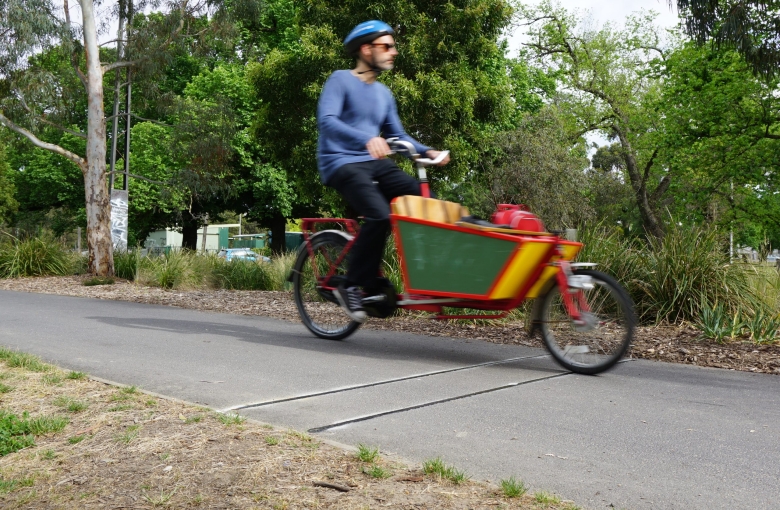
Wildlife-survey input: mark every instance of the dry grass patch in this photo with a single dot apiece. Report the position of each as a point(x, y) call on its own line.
point(122, 448)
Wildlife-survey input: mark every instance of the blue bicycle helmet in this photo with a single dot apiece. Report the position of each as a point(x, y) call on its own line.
point(364, 33)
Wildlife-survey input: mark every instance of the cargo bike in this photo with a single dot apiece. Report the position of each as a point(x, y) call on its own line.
point(450, 260)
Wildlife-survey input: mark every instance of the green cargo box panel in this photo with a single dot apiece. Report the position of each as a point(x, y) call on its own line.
point(443, 259)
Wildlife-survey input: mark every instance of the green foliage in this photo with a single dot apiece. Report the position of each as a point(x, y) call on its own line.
point(438, 467)
point(377, 472)
point(230, 418)
point(126, 264)
point(717, 324)
point(763, 327)
point(76, 376)
point(16, 359)
point(453, 86)
point(17, 433)
point(750, 27)
point(609, 81)
point(513, 488)
point(177, 269)
point(536, 165)
point(36, 256)
point(674, 279)
point(367, 453)
point(8, 203)
point(719, 133)
point(242, 274)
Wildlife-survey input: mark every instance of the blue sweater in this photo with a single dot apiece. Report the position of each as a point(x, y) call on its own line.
point(350, 113)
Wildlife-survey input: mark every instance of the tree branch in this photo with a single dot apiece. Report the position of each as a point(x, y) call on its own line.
point(73, 59)
point(144, 119)
point(81, 162)
point(116, 65)
point(649, 165)
point(47, 121)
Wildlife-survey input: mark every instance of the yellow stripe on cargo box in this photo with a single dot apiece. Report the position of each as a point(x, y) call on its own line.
point(527, 258)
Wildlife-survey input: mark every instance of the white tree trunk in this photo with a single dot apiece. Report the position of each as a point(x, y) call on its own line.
point(98, 204)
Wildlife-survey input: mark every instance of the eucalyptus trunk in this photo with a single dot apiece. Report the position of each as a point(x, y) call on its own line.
point(98, 202)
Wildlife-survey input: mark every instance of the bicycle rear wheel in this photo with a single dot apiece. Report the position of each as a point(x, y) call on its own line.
point(317, 306)
point(605, 336)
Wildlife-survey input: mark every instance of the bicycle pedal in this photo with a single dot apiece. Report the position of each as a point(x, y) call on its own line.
point(379, 298)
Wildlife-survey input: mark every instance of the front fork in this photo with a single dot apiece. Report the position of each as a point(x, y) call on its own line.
point(572, 289)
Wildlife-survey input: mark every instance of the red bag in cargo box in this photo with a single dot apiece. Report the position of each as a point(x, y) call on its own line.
point(517, 217)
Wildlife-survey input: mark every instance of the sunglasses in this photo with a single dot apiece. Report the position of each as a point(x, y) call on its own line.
point(388, 46)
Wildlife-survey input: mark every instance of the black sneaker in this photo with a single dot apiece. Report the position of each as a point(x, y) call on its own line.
point(350, 300)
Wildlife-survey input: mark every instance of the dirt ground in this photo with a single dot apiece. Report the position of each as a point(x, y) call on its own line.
point(125, 449)
point(664, 343)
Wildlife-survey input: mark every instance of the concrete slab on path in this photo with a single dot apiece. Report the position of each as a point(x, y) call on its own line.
point(646, 435)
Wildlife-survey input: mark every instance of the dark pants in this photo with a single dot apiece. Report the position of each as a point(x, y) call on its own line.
point(356, 184)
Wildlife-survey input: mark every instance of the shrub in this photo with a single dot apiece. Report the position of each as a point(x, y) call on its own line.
point(35, 256)
point(177, 269)
point(126, 264)
point(241, 274)
point(674, 279)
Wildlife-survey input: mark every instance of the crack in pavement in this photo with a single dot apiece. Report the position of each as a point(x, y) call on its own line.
point(241, 407)
point(432, 403)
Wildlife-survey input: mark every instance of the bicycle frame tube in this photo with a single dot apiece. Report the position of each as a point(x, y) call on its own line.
point(308, 225)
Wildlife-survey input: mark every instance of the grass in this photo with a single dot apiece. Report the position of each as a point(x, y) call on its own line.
point(76, 376)
point(545, 498)
point(674, 280)
point(7, 486)
point(17, 433)
point(262, 469)
point(35, 256)
point(72, 405)
point(438, 467)
point(230, 418)
point(129, 434)
point(15, 359)
point(377, 472)
point(4, 388)
point(51, 379)
point(367, 454)
point(513, 488)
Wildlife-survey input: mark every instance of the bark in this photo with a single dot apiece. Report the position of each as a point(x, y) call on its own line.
point(189, 232)
point(639, 184)
point(98, 202)
point(278, 225)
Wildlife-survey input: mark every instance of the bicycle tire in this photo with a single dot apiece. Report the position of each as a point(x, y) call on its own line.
point(317, 307)
point(598, 345)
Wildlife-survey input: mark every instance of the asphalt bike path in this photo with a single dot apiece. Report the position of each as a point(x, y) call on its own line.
point(644, 435)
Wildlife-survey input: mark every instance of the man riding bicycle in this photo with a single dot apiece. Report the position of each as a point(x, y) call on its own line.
point(354, 116)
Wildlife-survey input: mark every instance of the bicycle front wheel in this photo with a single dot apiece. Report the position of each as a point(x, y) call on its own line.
point(604, 335)
point(316, 305)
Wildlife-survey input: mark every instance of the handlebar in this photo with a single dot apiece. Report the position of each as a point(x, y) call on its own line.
point(397, 145)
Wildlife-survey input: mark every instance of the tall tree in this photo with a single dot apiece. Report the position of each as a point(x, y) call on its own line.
point(608, 80)
point(721, 131)
point(751, 27)
point(32, 25)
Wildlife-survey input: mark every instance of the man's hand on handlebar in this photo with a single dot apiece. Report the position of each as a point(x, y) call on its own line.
point(432, 154)
point(378, 148)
